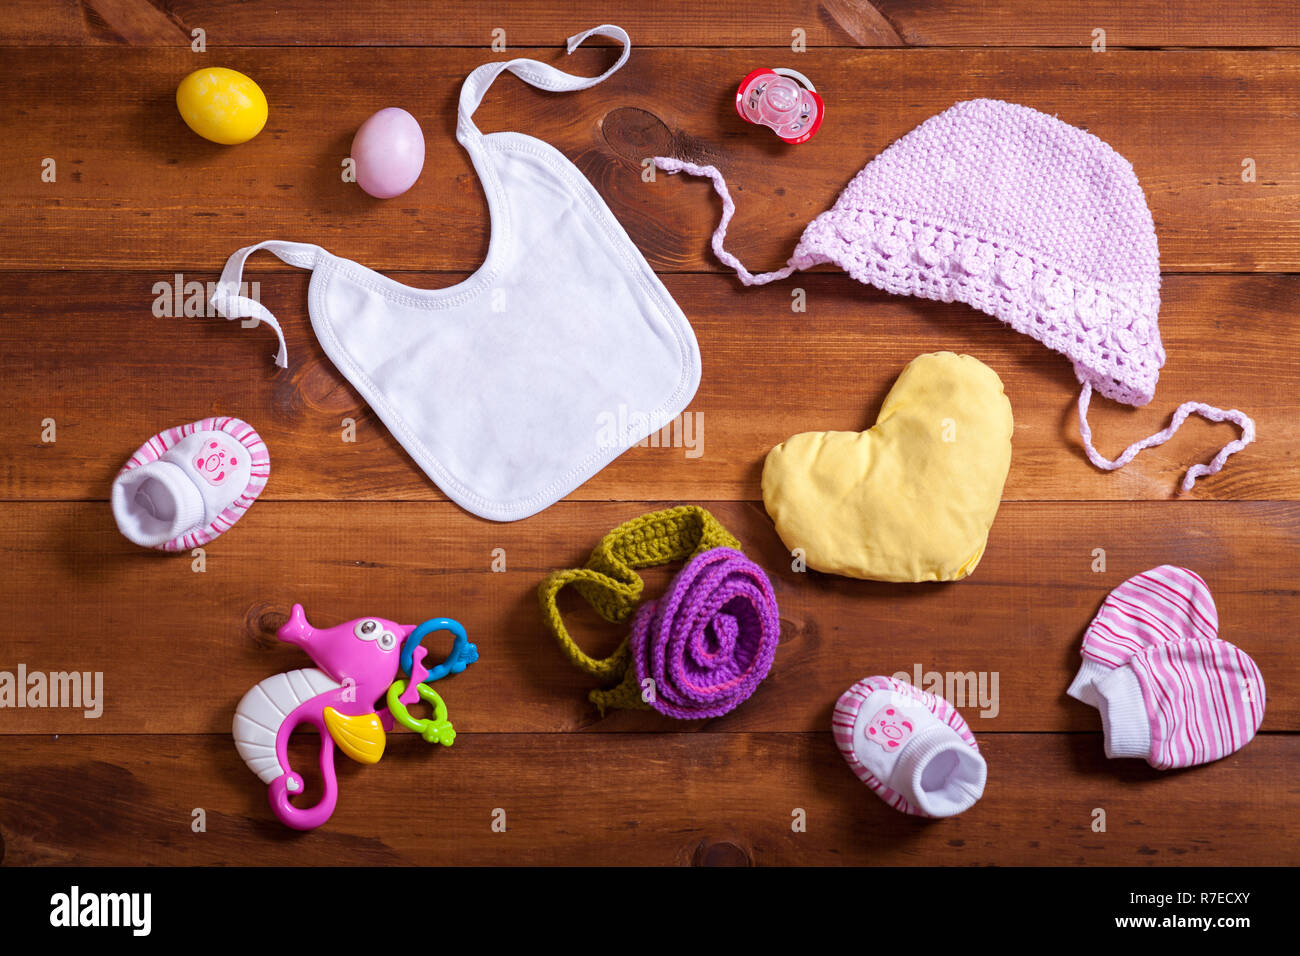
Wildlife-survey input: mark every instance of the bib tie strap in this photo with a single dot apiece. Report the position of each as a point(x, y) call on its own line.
point(534, 73)
point(229, 303)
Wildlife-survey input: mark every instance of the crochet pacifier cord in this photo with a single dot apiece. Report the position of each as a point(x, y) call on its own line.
point(610, 584)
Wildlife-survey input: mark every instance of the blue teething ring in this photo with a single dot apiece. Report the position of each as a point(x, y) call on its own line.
point(463, 653)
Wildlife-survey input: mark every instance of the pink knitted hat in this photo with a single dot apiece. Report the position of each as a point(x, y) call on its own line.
point(1021, 216)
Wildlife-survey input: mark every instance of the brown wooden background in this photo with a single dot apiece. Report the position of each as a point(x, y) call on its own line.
point(1186, 91)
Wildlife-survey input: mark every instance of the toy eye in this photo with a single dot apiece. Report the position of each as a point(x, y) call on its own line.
point(368, 630)
point(387, 641)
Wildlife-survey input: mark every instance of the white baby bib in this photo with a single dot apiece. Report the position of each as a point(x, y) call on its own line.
point(506, 388)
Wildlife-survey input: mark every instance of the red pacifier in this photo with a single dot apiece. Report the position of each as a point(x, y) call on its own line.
point(782, 99)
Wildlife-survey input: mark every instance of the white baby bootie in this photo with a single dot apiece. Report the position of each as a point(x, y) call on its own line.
point(187, 485)
point(912, 748)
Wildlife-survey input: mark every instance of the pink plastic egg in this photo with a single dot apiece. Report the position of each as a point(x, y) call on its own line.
point(388, 151)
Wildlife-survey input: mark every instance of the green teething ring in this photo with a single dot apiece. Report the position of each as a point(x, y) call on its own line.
point(435, 729)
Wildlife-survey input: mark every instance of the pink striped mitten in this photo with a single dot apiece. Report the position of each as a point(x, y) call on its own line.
point(1181, 704)
point(912, 748)
point(1165, 604)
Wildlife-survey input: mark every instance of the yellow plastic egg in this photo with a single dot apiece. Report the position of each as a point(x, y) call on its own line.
point(221, 105)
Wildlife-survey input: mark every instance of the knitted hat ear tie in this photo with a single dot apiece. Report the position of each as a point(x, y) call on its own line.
point(672, 166)
point(1209, 412)
point(701, 649)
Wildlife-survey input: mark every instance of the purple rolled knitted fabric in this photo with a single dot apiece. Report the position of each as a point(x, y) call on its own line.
point(709, 641)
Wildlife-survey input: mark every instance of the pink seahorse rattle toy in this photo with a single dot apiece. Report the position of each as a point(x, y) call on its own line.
point(352, 697)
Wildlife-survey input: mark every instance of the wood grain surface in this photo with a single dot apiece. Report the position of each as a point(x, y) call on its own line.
point(133, 177)
point(669, 798)
point(666, 23)
point(1021, 615)
point(753, 345)
point(1186, 91)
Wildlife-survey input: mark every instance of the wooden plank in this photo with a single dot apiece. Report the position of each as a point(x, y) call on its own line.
point(351, 528)
point(1127, 23)
point(178, 649)
point(768, 373)
point(136, 189)
point(711, 799)
point(678, 23)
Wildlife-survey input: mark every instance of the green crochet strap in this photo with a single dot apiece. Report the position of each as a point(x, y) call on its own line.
point(591, 585)
point(626, 696)
point(610, 584)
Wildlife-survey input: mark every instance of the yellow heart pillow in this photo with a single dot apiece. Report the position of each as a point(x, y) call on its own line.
point(913, 497)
